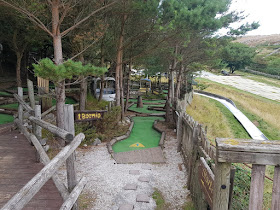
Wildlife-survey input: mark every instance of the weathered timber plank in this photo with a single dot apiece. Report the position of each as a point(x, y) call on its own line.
point(221, 186)
point(257, 187)
point(34, 185)
point(275, 204)
point(246, 157)
point(52, 128)
point(24, 105)
point(45, 159)
point(248, 145)
point(68, 204)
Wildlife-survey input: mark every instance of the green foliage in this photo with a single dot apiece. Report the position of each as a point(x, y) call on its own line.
point(241, 188)
point(237, 55)
point(47, 69)
point(158, 197)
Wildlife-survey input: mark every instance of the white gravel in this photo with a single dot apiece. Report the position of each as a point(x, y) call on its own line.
point(106, 179)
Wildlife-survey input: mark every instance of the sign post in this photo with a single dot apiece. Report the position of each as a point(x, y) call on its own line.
point(206, 180)
point(88, 115)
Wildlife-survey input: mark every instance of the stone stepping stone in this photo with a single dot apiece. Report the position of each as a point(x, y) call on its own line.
point(142, 198)
point(146, 167)
point(144, 179)
point(134, 172)
point(126, 207)
point(130, 187)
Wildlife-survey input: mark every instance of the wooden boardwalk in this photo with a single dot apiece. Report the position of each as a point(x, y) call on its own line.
point(17, 166)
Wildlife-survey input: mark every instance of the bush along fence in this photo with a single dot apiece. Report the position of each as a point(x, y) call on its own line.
point(30, 124)
point(211, 174)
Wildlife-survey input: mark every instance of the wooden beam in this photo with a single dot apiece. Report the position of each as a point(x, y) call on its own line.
point(23, 104)
point(20, 108)
point(257, 187)
point(52, 128)
point(221, 186)
point(68, 204)
point(260, 152)
point(45, 160)
point(48, 111)
point(19, 200)
point(275, 204)
point(70, 162)
point(31, 93)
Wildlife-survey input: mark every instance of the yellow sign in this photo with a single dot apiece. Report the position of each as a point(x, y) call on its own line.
point(88, 115)
point(137, 145)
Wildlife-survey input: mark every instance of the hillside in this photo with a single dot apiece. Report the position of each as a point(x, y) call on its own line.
point(254, 41)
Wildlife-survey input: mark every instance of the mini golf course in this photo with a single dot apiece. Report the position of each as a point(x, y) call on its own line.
point(5, 118)
point(142, 136)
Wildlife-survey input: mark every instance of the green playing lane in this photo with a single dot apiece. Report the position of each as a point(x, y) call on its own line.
point(141, 134)
point(145, 108)
point(5, 118)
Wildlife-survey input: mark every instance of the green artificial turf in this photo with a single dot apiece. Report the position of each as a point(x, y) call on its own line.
point(147, 101)
point(3, 93)
point(5, 118)
point(10, 106)
point(142, 133)
point(145, 108)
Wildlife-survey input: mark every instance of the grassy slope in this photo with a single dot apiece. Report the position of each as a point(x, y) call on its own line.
point(5, 118)
point(261, 111)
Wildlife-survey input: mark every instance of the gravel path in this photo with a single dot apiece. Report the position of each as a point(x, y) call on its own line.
point(106, 179)
point(248, 85)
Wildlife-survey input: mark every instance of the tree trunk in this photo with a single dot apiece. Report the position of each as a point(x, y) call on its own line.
point(18, 68)
point(128, 87)
point(179, 81)
point(58, 59)
point(83, 95)
point(119, 62)
point(122, 94)
point(102, 65)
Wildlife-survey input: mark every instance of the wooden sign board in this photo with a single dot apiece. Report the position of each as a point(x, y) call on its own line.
point(88, 115)
point(206, 180)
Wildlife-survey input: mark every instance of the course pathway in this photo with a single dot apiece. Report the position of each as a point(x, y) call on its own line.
point(111, 185)
point(258, 88)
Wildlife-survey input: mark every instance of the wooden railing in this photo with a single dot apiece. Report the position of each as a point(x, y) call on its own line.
point(31, 117)
point(216, 162)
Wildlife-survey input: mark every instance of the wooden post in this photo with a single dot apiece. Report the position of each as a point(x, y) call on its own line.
point(20, 108)
point(139, 102)
point(37, 129)
point(221, 186)
point(70, 162)
point(257, 187)
point(179, 132)
point(275, 204)
point(110, 106)
point(31, 93)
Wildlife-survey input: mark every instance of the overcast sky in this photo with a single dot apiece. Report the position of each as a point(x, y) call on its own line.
point(267, 12)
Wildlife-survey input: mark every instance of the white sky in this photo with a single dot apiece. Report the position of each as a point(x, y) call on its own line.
point(267, 12)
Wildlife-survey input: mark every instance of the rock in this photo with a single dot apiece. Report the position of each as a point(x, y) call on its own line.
point(85, 145)
point(134, 172)
point(143, 198)
point(96, 142)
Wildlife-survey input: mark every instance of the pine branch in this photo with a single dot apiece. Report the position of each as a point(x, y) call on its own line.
point(86, 18)
point(29, 15)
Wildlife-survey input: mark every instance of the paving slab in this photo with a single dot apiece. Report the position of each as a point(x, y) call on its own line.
point(143, 198)
point(134, 172)
point(144, 179)
point(150, 155)
point(130, 187)
point(126, 207)
point(146, 167)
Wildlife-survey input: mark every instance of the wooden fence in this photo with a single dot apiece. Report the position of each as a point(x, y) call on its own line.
point(30, 124)
point(210, 171)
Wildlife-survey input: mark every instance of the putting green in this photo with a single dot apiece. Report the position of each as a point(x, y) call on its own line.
point(145, 109)
point(147, 101)
point(5, 118)
point(142, 136)
point(3, 93)
point(10, 106)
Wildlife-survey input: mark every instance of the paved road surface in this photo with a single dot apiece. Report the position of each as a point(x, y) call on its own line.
point(248, 85)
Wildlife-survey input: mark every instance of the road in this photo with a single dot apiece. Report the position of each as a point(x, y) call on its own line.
point(245, 84)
